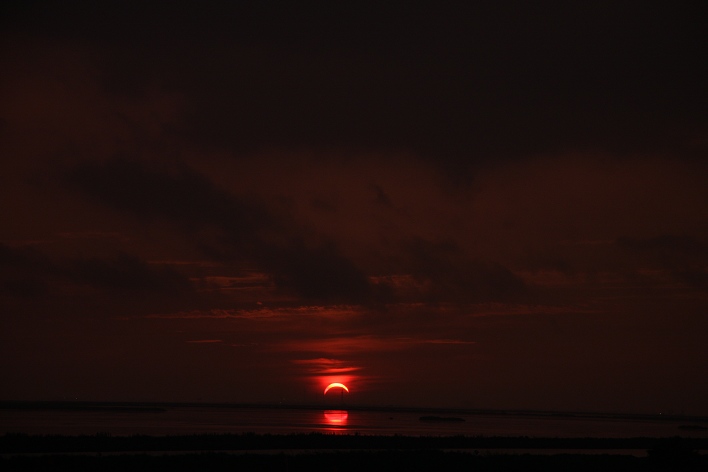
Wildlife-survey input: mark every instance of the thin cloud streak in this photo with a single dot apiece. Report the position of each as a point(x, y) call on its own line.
point(361, 344)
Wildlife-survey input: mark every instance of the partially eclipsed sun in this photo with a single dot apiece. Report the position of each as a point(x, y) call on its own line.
point(335, 384)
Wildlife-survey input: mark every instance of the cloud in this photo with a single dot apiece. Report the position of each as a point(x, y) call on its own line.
point(683, 258)
point(325, 366)
point(667, 248)
point(333, 312)
point(180, 196)
point(363, 344)
point(245, 229)
point(126, 273)
point(319, 273)
point(28, 288)
point(23, 272)
point(697, 278)
point(463, 87)
point(447, 274)
point(446, 341)
point(30, 273)
point(18, 257)
point(382, 190)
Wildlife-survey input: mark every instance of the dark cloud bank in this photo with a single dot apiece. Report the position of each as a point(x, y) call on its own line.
point(248, 231)
point(463, 85)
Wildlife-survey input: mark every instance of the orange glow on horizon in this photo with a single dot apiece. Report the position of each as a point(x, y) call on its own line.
point(335, 384)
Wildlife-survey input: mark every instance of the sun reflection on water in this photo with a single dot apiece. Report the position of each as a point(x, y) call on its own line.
point(336, 417)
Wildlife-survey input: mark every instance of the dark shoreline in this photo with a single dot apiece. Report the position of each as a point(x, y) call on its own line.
point(16, 443)
point(317, 451)
point(350, 461)
point(329, 451)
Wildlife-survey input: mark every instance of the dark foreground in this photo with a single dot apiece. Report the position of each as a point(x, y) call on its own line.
point(315, 452)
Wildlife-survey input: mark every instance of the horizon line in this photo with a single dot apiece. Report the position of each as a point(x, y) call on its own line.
point(120, 404)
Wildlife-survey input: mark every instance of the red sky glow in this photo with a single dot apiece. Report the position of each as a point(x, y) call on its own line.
point(500, 207)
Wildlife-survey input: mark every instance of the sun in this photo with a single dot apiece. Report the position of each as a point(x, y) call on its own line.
point(335, 385)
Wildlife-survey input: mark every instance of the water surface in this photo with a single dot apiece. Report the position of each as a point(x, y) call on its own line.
point(182, 420)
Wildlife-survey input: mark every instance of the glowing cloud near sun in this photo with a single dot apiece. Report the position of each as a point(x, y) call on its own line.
point(335, 385)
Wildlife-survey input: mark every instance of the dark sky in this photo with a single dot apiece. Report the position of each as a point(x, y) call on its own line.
point(497, 205)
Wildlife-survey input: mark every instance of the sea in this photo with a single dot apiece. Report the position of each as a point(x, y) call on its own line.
point(188, 419)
